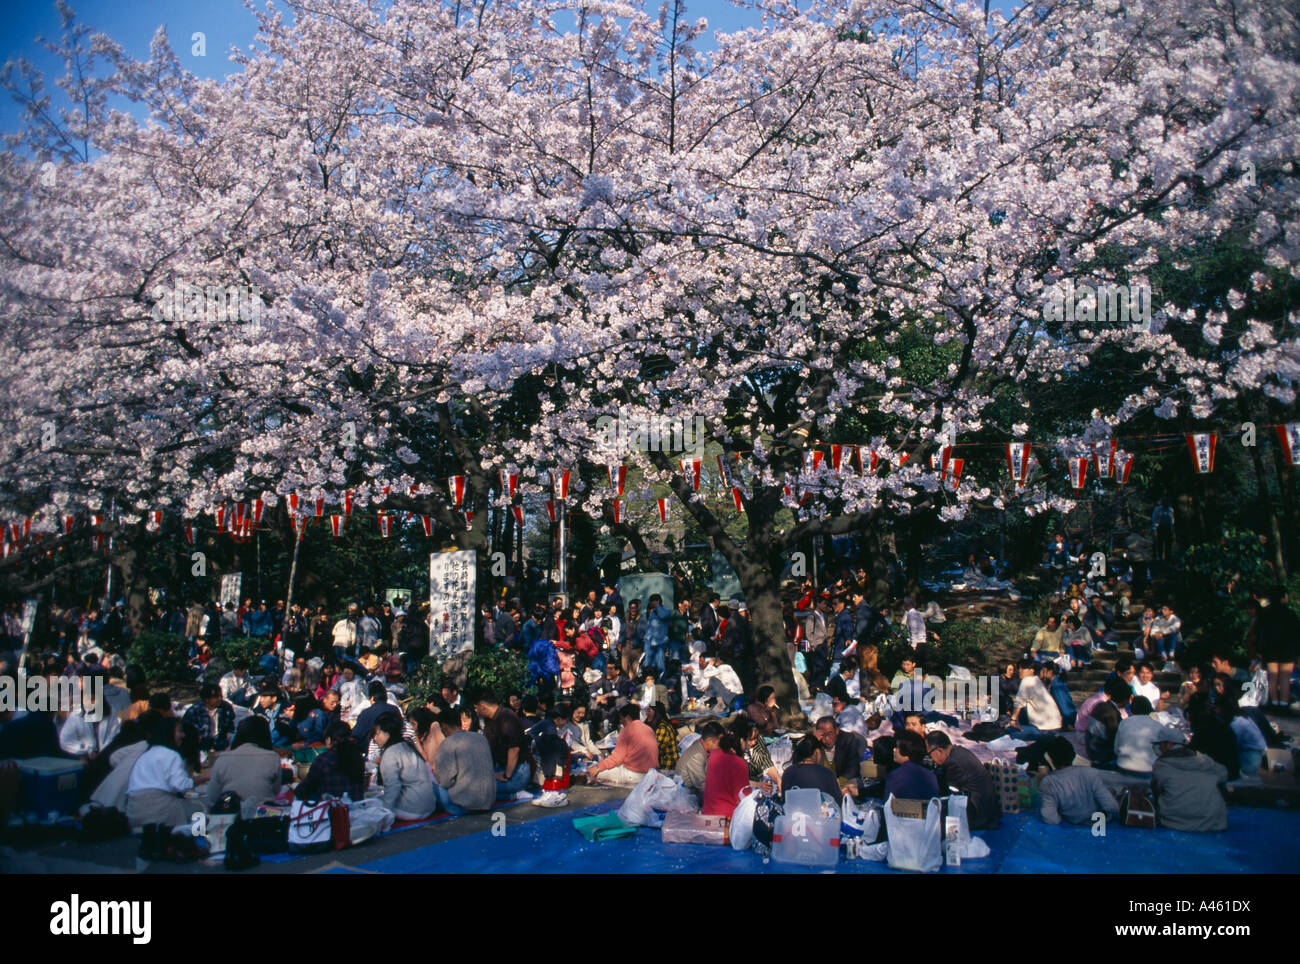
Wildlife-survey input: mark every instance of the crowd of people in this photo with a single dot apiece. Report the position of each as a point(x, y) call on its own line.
point(607, 680)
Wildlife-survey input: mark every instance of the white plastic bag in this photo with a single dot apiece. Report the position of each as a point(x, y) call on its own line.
point(860, 823)
point(822, 706)
point(915, 844)
point(975, 849)
point(742, 819)
point(656, 792)
point(957, 808)
point(781, 752)
point(368, 817)
point(853, 721)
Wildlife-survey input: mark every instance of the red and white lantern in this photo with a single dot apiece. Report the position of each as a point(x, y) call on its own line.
point(1202, 446)
point(550, 509)
point(189, 533)
point(663, 509)
point(692, 472)
point(1078, 471)
point(1018, 460)
point(509, 483)
point(259, 506)
point(347, 504)
point(618, 511)
point(68, 521)
point(456, 485)
point(837, 457)
point(518, 511)
point(1123, 465)
point(1289, 438)
point(560, 484)
point(618, 477)
point(385, 525)
point(336, 525)
point(737, 498)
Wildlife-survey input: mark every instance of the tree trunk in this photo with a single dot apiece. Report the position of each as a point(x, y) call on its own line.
point(1270, 511)
point(771, 657)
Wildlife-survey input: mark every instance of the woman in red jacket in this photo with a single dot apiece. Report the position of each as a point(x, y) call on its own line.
point(725, 775)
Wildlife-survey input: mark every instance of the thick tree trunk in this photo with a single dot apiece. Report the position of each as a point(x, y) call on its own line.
point(771, 657)
point(1270, 512)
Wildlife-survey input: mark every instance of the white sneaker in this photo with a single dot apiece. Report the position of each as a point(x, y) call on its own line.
point(523, 795)
point(552, 799)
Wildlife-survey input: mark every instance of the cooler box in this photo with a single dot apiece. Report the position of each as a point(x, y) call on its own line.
point(808, 833)
point(49, 785)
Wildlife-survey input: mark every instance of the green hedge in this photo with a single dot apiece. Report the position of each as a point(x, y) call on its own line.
point(162, 657)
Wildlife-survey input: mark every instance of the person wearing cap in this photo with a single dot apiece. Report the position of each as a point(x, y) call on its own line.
point(1188, 789)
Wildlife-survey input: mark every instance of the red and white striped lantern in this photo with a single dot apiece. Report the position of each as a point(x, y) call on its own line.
point(1123, 465)
point(426, 523)
point(1289, 438)
point(518, 511)
point(68, 522)
point(1202, 446)
point(293, 503)
point(663, 509)
point(618, 511)
point(259, 506)
point(736, 497)
point(560, 484)
point(189, 533)
point(385, 525)
point(1078, 471)
point(692, 472)
point(550, 509)
point(336, 525)
point(952, 474)
point(1018, 460)
point(618, 478)
point(456, 486)
point(221, 518)
point(509, 483)
point(155, 521)
point(837, 457)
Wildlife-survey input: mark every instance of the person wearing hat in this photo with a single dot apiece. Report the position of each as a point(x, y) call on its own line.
point(1188, 789)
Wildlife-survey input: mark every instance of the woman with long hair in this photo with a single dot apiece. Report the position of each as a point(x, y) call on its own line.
point(404, 775)
point(159, 780)
point(725, 775)
point(340, 770)
point(428, 735)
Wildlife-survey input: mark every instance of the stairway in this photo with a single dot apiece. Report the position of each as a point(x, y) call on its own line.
point(1086, 681)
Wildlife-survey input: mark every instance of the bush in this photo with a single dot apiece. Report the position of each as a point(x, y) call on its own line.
point(425, 683)
point(247, 648)
point(499, 671)
point(161, 657)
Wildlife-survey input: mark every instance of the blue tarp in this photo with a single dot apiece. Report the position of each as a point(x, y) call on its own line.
point(1257, 841)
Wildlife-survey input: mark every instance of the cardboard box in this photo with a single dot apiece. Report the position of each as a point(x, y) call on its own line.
point(914, 809)
point(869, 769)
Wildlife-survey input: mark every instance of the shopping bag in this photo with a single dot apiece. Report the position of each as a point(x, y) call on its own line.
point(742, 819)
point(309, 827)
point(368, 817)
point(656, 794)
point(860, 823)
point(340, 825)
point(915, 842)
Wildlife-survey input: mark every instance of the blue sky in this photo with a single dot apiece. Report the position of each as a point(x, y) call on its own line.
point(224, 23)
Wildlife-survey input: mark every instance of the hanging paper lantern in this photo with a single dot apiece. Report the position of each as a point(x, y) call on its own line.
point(469, 520)
point(618, 478)
point(336, 525)
point(426, 523)
point(1104, 458)
point(259, 506)
point(1202, 446)
point(1289, 437)
point(560, 484)
point(320, 508)
point(1123, 465)
point(1018, 460)
point(953, 473)
point(902, 459)
point(221, 518)
point(240, 510)
point(550, 509)
point(385, 525)
point(518, 511)
point(155, 521)
point(509, 483)
point(692, 472)
point(347, 503)
point(817, 456)
point(663, 509)
point(736, 497)
point(618, 511)
point(68, 521)
point(189, 533)
point(293, 503)
point(1078, 471)
point(837, 457)
point(456, 485)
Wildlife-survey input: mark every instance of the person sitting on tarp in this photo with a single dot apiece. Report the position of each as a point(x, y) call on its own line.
point(1035, 702)
point(1103, 724)
point(1060, 692)
point(844, 751)
point(808, 770)
point(1187, 790)
point(960, 771)
point(911, 780)
point(212, 718)
point(635, 754)
point(1074, 794)
point(1136, 738)
point(692, 765)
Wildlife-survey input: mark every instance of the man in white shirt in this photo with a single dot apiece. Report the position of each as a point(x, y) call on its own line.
point(716, 680)
point(1036, 702)
point(352, 695)
point(88, 728)
point(915, 623)
point(345, 634)
point(237, 686)
point(1144, 684)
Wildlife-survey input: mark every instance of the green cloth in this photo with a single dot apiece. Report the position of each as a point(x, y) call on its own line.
point(605, 827)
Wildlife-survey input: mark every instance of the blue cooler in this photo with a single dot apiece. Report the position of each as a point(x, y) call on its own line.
point(49, 784)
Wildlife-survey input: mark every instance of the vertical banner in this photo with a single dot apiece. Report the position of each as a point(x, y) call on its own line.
point(452, 578)
point(509, 483)
point(618, 511)
point(518, 510)
point(1202, 445)
point(426, 521)
point(385, 525)
point(259, 506)
point(560, 484)
point(837, 457)
point(735, 494)
point(232, 584)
